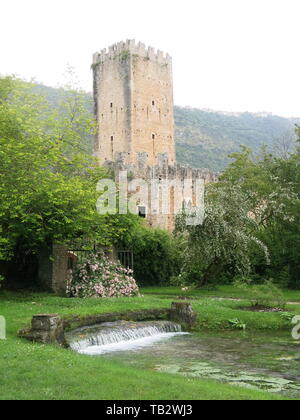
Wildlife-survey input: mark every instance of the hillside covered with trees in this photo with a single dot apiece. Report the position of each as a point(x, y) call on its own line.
point(204, 138)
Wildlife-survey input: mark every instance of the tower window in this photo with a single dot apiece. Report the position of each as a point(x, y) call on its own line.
point(153, 136)
point(111, 104)
point(153, 103)
point(142, 211)
point(112, 146)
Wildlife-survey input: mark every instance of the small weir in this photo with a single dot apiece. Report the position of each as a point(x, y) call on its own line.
point(120, 336)
point(259, 360)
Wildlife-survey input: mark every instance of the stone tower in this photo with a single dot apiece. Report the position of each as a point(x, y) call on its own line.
point(133, 97)
point(133, 93)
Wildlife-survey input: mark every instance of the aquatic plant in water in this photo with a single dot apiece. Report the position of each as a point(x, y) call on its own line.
point(240, 378)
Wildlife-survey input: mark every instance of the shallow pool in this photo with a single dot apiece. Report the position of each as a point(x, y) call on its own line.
point(254, 360)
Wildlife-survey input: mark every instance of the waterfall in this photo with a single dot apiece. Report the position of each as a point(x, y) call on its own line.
point(120, 336)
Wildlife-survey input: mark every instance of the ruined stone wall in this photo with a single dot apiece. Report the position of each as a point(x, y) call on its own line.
point(54, 268)
point(45, 267)
point(133, 92)
point(175, 186)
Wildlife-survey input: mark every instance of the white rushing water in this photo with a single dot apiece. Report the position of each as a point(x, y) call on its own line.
point(122, 338)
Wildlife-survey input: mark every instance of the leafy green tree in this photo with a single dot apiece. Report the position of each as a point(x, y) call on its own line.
point(271, 186)
point(224, 243)
point(47, 179)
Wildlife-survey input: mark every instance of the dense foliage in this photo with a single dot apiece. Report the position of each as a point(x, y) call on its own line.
point(223, 244)
point(47, 179)
point(266, 295)
point(251, 224)
point(272, 187)
point(48, 193)
point(156, 255)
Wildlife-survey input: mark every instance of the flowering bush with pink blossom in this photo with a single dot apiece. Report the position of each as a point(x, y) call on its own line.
point(98, 276)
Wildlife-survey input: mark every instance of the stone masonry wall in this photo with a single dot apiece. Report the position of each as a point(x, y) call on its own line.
point(133, 96)
point(133, 91)
point(54, 268)
point(181, 187)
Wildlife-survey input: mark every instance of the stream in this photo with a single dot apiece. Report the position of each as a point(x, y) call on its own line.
point(265, 361)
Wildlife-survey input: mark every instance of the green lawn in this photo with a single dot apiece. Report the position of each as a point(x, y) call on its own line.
point(33, 371)
point(226, 291)
point(218, 314)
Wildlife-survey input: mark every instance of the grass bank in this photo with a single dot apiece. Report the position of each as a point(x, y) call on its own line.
point(225, 291)
point(33, 371)
point(225, 308)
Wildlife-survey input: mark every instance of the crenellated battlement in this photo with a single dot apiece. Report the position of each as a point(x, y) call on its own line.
point(163, 169)
point(131, 47)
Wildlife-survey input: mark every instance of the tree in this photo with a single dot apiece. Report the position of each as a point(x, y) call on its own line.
point(47, 179)
point(224, 243)
point(252, 221)
point(285, 145)
point(272, 186)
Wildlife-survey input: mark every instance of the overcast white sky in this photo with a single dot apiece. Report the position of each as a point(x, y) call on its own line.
point(231, 55)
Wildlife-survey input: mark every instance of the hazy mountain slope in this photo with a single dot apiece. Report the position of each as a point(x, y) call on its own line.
point(204, 139)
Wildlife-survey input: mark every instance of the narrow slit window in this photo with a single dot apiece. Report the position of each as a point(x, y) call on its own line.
point(111, 104)
point(153, 136)
point(112, 146)
point(153, 103)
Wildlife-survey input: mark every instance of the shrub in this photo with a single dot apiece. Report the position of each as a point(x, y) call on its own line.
point(191, 277)
point(237, 324)
point(266, 294)
point(98, 276)
point(156, 255)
